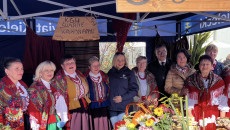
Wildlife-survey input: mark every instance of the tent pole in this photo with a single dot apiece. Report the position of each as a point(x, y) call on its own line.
point(2, 14)
point(5, 10)
point(18, 11)
point(137, 17)
point(164, 16)
point(178, 30)
point(143, 17)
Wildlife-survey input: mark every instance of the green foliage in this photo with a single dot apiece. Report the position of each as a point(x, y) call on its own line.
point(164, 124)
point(197, 48)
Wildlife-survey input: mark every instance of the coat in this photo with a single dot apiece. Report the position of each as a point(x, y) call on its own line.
point(122, 83)
point(160, 73)
point(174, 82)
point(152, 89)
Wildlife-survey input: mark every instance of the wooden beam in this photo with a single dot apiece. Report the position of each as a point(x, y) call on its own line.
point(132, 6)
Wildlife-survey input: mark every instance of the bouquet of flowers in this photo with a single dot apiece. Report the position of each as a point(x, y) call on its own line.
point(154, 117)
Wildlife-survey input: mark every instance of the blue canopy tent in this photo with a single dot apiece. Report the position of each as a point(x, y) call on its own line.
point(170, 25)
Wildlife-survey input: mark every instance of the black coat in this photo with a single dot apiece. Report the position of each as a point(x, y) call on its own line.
point(160, 74)
point(122, 83)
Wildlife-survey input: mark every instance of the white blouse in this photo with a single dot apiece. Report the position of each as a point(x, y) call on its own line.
point(143, 83)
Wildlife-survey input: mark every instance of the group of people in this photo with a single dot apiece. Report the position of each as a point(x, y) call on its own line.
point(96, 100)
point(206, 85)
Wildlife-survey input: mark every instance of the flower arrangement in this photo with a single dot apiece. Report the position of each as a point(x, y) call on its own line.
point(119, 124)
point(162, 117)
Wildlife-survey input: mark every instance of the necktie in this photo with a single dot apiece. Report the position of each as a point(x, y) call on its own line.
point(163, 64)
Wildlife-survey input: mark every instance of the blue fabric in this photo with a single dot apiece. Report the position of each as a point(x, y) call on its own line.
point(115, 116)
point(218, 68)
point(122, 83)
point(94, 104)
point(60, 124)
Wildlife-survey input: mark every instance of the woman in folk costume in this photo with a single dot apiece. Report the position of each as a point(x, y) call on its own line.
point(178, 73)
point(226, 77)
point(206, 99)
point(13, 96)
point(99, 92)
point(148, 89)
point(73, 85)
point(43, 108)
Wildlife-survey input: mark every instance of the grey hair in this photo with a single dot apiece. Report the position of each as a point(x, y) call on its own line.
point(211, 47)
point(139, 58)
point(92, 59)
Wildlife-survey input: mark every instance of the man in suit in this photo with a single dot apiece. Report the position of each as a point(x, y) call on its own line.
point(160, 67)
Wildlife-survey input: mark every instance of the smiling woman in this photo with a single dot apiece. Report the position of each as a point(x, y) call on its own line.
point(178, 73)
point(14, 97)
point(43, 109)
point(73, 86)
point(123, 87)
point(205, 86)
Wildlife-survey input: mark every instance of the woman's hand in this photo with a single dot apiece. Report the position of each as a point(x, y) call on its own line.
point(222, 114)
point(117, 99)
point(190, 112)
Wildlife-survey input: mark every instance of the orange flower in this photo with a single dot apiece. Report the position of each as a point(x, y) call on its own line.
point(149, 122)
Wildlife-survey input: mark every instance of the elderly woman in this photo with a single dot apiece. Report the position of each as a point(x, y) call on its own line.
point(123, 87)
point(73, 85)
point(148, 89)
point(13, 95)
point(178, 73)
point(226, 77)
point(99, 92)
point(206, 100)
point(217, 66)
point(42, 108)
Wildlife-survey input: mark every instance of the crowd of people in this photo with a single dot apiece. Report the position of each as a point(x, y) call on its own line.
point(96, 100)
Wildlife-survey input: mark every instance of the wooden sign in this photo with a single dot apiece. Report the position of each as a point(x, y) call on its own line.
point(133, 6)
point(76, 29)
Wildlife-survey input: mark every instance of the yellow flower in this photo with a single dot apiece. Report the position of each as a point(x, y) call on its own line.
point(178, 111)
point(149, 122)
point(167, 105)
point(175, 95)
point(131, 125)
point(151, 107)
point(158, 111)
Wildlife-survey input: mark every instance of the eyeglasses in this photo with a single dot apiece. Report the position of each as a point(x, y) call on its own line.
point(161, 52)
point(141, 62)
point(48, 71)
point(68, 64)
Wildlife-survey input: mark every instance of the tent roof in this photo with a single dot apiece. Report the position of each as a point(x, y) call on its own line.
point(101, 9)
point(55, 8)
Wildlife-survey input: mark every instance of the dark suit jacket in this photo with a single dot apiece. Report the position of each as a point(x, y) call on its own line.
point(160, 73)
